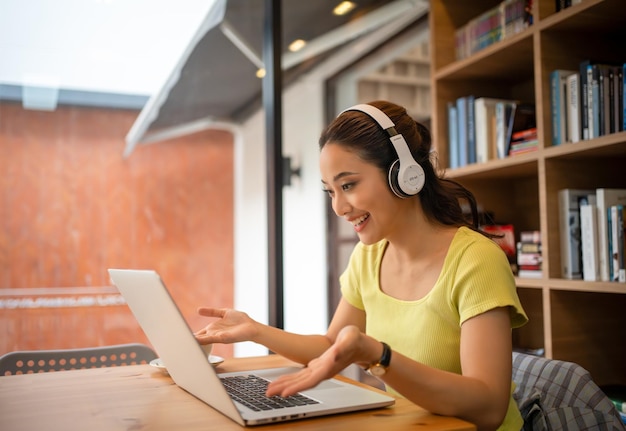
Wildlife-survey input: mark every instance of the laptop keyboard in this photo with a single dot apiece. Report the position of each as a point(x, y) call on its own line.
point(250, 391)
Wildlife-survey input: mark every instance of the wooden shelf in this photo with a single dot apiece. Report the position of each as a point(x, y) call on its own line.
point(405, 80)
point(571, 319)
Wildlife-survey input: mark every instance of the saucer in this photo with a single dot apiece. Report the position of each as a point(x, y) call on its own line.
point(213, 359)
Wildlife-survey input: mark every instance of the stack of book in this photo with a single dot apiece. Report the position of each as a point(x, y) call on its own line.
point(485, 128)
point(587, 103)
point(591, 225)
point(529, 258)
point(506, 19)
point(524, 141)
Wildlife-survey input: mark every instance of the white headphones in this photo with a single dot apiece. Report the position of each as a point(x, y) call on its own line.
point(406, 176)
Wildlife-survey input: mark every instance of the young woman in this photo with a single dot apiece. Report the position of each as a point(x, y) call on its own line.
point(428, 301)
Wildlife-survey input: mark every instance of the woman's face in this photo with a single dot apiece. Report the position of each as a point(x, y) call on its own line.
point(359, 192)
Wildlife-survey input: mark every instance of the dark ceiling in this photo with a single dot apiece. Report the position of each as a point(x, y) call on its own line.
point(218, 81)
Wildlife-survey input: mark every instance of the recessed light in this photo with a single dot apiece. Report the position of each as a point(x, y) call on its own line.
point(344, 7)
point(260, 73)
point(296, 45)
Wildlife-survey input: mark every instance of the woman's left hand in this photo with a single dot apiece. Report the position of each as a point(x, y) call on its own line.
point(342, 353)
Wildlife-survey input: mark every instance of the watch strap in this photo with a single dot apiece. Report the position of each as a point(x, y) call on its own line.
point(385, 358)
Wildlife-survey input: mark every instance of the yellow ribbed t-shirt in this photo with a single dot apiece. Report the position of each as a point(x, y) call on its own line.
point(476, 277)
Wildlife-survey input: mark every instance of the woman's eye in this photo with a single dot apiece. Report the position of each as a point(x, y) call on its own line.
point(346, 187)
point(328, 192)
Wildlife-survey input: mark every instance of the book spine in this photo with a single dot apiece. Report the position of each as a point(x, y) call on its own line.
point(453, 136)
point(623, 85)
point(555, 103)
point(510, 112)
point(471, 131)
point(612, 100)
point(590, 112)
point(604, 102)
point(619, 247)
point(530, 236)
point(589, 240)
point(594, 125)
point(619, 99)
point(612, 228)
point(573, 108)
point(461, 106)
point(605, 198)
point(499, 112)
point(529, 273)
point(569, 231)
point(582, 91)
point(482, 127)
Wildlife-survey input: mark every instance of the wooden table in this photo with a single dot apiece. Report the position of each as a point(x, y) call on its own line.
point(141, 397)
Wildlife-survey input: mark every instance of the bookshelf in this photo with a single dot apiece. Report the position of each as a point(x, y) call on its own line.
point(572, 320)
point(405, 80)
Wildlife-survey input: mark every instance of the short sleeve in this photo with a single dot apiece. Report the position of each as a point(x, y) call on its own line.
point(484, 281)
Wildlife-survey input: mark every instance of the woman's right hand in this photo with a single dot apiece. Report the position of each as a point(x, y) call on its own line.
point(232, 326)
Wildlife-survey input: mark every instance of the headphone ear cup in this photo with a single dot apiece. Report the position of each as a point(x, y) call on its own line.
point(394, 170)
point(412, 178)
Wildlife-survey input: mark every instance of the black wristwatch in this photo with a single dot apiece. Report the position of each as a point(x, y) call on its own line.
point(380, 368)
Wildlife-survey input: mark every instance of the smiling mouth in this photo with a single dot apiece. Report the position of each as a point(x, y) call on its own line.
point(358, 222)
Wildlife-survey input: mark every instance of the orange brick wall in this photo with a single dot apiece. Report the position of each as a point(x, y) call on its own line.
point(71, 207)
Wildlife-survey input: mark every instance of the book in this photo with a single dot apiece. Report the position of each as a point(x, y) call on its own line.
point(582, 92)
point(613, 111)
point(524, 117)
point(558, 104)
point(505, 112)
point(589, 241)
point(620, 219)
point(618, 101)
point(624, 96)
point(522, 147)
point(453, 136)
point(573, 108)
point(471, 130)
point(524, 135)
point(604, 99)
point(529, 255)
point(615, 217)
point(529, 273)
point(528, 259)
point(530, 236)
point(598, 98)
point(605, 198)
point(529, 247)
point(461, 108)
point(487, 127)
point(569, 231)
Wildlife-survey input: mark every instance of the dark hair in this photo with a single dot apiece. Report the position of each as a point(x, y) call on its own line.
point(440, 197)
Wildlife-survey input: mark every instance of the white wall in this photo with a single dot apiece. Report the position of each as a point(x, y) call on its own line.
point(303, 218)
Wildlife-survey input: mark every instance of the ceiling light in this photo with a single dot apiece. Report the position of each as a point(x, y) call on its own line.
point(260, 73)
point(344, 7)
point(296, 45)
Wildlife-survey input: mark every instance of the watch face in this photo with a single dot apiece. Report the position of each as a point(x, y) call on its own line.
point(377, 370)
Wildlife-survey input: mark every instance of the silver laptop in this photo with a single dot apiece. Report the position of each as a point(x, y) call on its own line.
point(168, 331)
